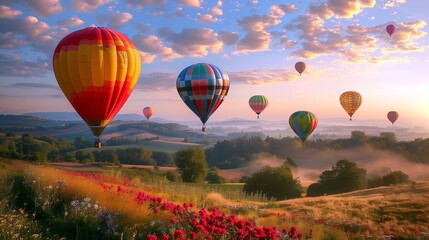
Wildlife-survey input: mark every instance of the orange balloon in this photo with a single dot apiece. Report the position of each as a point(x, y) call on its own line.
point(97, 69)
point(350, 101)
point(147, 112)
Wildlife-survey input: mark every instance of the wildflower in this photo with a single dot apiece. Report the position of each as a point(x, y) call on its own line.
point(95, 206)
point(179, 233)
point(74, 203)
point(152, 237)
point(165, 237)
point(87, 199)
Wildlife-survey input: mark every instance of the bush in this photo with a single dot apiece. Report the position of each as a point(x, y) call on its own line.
point(172, 176)
point(274, 182)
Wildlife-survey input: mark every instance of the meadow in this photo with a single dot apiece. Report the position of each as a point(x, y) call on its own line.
point(42, 202)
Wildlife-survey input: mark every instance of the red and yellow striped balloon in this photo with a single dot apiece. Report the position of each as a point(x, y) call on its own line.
point(258, 103)
point(350, 101)
point(147, 112)
point(97, 69)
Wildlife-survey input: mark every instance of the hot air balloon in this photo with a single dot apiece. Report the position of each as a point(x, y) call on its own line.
point(300, 67)
point(351, 102)
point(390, 29)
point(303, 123)
point(203, 87)
point(97, 69)
point(392, 116)
point(147, 112)
point(258, 103)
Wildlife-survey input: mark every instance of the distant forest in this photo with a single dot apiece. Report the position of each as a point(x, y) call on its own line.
point(225, 154)
point(238, 152)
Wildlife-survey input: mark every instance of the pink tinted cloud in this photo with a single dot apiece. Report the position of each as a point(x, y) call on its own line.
point(262, 76)
point(340, 8)
point(257, 37)
point(139, 4)
point(7, 12)
point(74, 21)
point(88, 5)
point(146, 58)
point(196, 42)
point(115, 20)
point(157, 81)
point(207, 18)
point(30, 27)
point(190, 3)
point(152, 44)
point(228, 38)
point(45, 8)
point(10, 41)
point(14, 66)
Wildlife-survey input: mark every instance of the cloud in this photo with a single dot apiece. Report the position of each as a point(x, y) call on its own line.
point(139, 4)
point(146, 58)
point(115, 20)
point(207, 18)
point(287, 43)
point(252, 3)
point(30, 27)
point(34, 85)
point(7, 12)
point(340, 8)
point(262, 76)
point(196, 42)
point(88, 5)
point(405, 37)
point(257, 37)
point(14, 66)
point(9, 41)
point(74, 21)
point(228, 38)
point(143, 28)
point(152, 44)
point(190, 3)
point(162, 12)
point(45, 8)
point(216, 11)
point(393, 3)
point(157, 82)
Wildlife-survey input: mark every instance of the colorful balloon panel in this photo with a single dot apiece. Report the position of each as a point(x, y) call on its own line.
point(203, 88)
point(258, 103)
point(97, 69)
point(300, 67)
point(392, 116)
point(350, 101)
point(147, 112)
point(303, 123)
point(390, 29)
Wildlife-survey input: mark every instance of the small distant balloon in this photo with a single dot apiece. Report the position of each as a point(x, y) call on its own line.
point(392, 116)
point(147, 112)
point(303, 123)
point(390, 29)
point(258, 103)
point(300, 67)
point(350, 101)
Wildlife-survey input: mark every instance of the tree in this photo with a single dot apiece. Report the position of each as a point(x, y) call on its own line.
point(172, 176)
point(345, 176)
point(163, 158)
point(192, 164)
point(213, 176)
point(274, 182)
point(314, 190)
point(81, 142)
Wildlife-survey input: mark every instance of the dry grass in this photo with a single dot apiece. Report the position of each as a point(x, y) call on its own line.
point(393, 208)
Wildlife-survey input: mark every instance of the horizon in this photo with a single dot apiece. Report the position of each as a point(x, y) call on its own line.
point(345, 48)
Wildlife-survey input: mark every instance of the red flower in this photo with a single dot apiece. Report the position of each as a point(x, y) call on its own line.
point(179, 233)
point(165, 237)
point(152, 237)
point(192, 235)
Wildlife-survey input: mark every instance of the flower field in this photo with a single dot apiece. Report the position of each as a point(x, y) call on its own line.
point(47, 203)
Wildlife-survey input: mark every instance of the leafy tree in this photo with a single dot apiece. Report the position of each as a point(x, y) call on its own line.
point(345, 176)
point(213, 176)
point(314, 190)
point(391, 178)
point(244, 179)
point(139, 156)
point(274, 182)
point(163, 158)
point(81, 142)
point(192, 164)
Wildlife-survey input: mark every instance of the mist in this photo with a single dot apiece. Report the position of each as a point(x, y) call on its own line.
point(312, 162)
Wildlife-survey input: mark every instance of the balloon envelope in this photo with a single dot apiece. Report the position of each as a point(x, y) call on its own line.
point(258, 103)
point(300, 67)
point(392, 116)
point(147, 112)
point(303, 123)
point(97, 69)
point(350, 101)
point(390, 29)
point(203, 87)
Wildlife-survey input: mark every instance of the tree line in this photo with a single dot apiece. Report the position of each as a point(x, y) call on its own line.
point(44, 149)
point(237, 152)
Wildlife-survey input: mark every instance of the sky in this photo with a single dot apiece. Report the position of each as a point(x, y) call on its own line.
point(343, 42)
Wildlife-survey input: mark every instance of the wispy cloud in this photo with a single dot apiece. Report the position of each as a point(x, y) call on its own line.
point(45, 8)
point(10, 41)
point(88, 5)
point(114, 20)
point(340, 8)
point(7, 12)
point(157, 82)
point(139, 4)
point(152, 44)
point(74, 21)
point(14, 66)
point(262, 76)
point(34, 85)
point(190, 3)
